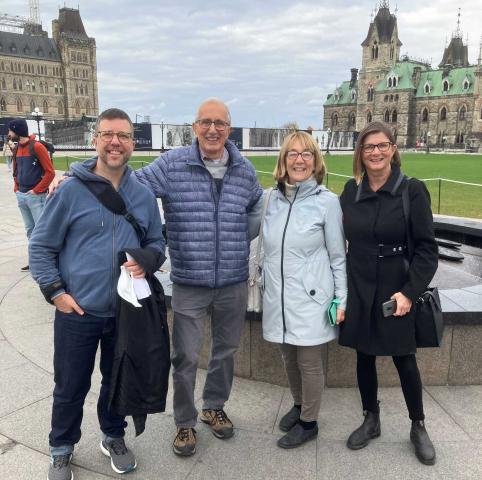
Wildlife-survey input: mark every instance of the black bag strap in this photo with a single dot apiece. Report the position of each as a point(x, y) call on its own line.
point(111, 199)
point(406, 214)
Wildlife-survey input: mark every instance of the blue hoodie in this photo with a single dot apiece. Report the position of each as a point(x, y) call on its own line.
point(77, 239)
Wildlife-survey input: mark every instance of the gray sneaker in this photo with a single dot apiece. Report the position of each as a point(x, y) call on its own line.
point(122, 460)
point(60, 467)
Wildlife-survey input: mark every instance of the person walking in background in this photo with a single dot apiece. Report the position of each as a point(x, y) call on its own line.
point(8, 149)
point(303, 269)
point(379, 270)
point(32, 173)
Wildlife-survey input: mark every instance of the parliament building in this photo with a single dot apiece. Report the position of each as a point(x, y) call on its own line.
point(441, 106)
point(57, 75)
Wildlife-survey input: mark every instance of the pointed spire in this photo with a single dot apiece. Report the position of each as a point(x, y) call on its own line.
point(458, 33)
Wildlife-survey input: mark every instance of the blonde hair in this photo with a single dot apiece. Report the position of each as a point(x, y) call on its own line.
point(306, 140)
point(373, 127)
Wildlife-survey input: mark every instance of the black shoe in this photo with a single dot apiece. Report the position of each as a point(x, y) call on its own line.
point(297, 436)
point(370, 428)
point(290, 419)
point(25, 269)
point(424, 449)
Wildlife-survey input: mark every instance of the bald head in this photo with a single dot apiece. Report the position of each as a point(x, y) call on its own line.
point(214, 102)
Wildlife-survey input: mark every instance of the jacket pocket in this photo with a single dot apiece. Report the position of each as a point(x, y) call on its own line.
point(314, 290)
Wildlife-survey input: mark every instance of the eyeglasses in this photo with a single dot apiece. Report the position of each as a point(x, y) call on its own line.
point(293, 155)
point(219, 125)
point(382, 147)
point(108, 136)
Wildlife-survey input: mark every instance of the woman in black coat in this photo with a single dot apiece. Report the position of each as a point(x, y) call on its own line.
point(379, 271)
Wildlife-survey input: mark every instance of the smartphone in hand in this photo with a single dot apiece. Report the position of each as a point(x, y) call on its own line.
point(389, 308)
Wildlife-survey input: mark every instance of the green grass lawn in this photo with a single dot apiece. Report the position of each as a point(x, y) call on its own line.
point(447, 198)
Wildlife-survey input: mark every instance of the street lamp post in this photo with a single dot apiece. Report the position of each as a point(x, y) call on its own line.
point(38, 115)
point(444, 139)
point(328, 131)
point(428, 142)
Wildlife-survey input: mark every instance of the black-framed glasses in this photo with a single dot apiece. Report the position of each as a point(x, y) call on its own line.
point(219, 125)
point(293, 155)
point(108, 136)
point(382, 147)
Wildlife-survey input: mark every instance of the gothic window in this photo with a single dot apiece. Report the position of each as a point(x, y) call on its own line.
point(370, 94)
point(466, 84)
point(27, 86)
point(32, 105)
point(394, 81)
point(41, 87)
point(426, 88)
point(3, 105)
point(56, 89)
point(14, 84)
point(445, 86)
point(391, 98)
point(334, 120)
point(392, 50)
point(33, 86)
point(4, 84)
point(394, 116)
point(462, 112)
point(353, 93)
point(352, 119)
point(425, 115)
point(60, 108)
point(396, 97)
point(77, 108)
point(45, 107)
point(20, 86)
point(369, 117)
point(46, 87)
point(386, 98)
point(76, 89)
point(88, 108)
point(387, 116)
point(85, 90)
point(390, 82)
point(61, 88)
point(375, 51)
point(19, 105)
point(443, 114)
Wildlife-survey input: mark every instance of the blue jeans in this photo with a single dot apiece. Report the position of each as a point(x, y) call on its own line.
point(76, 338)
point(31, 206)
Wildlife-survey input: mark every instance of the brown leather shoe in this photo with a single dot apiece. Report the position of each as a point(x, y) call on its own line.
point(184, 444)
point(219, 422)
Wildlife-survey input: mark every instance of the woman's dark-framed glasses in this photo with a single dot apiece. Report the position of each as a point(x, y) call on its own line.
point(205, 123)
point(108, 136)
point(293, 155)
point(382, 147)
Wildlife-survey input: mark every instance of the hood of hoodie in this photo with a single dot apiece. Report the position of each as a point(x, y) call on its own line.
point(84, 171)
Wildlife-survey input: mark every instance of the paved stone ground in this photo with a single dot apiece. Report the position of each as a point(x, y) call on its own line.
point(454, 414)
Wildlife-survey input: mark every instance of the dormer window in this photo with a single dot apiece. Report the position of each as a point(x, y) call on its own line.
point(427, 88)
point(353, 94)
point(392, 81)
point(466, 84)
point(445, 86)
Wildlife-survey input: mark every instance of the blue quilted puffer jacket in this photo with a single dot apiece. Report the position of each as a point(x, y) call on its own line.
point(207, 232)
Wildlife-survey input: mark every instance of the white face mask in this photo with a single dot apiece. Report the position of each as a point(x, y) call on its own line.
point(132, 289)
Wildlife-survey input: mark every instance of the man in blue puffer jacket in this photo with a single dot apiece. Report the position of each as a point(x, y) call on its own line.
point(208, 191)
point(74, 258)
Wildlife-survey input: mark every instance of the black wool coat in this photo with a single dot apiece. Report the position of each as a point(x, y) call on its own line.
point(377, 218)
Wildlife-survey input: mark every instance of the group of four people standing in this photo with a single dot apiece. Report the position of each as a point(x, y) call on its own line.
point(212, 204)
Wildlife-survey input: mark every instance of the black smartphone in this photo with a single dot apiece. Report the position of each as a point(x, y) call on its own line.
point(389, 308)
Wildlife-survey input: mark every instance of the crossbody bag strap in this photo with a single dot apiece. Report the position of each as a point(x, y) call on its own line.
point(112, 200)
point(406, 215)
point(260, 235)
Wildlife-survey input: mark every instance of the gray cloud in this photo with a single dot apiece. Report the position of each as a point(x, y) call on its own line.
point(271, 61)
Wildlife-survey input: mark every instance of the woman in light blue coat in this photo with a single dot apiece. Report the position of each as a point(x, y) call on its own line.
point(303, 270)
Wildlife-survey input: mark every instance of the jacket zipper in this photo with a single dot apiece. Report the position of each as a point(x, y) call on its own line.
point(113, 262)
point(282, 268)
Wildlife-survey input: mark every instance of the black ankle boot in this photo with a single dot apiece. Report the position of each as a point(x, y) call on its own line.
point(370, 428)
point(424, 449)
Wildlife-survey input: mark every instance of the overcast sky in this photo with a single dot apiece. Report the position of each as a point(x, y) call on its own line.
point(271, 61)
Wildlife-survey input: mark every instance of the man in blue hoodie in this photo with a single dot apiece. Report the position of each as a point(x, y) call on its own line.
point(74, 258)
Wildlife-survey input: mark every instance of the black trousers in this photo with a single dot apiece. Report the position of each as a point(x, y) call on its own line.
point(409, 378)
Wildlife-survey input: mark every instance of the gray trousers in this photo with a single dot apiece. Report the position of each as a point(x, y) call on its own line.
point(304, 369)
point(191, 307)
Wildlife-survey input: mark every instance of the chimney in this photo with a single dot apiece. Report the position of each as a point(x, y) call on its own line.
point(354, 76)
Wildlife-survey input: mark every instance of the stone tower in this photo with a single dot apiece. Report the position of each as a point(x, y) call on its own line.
point(381, 51)
point(78, 57)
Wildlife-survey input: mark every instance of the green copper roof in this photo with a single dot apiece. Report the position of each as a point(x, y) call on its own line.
point(456, 78)
point(403, 71)
point(343, 95)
